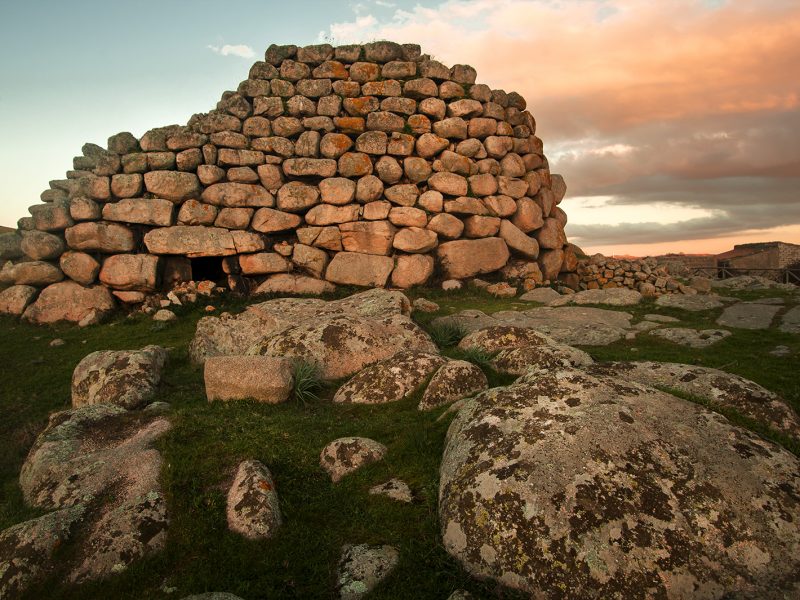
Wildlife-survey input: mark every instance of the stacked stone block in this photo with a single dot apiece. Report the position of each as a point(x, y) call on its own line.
point(642, 274)
point(360, 165)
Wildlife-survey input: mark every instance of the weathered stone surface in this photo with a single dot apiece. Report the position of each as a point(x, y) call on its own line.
point(310, 259)
point(286, 283)
point(346, 455)
point(102, 456)
point(15, 299)
point(201, 241)
point(27, 549)
point(447, 226)
point(269, 220)
point(252, 506)
point(455, 380)
point(609, 297)
point(411, 270)
point(152, 211)
point(691, 303)
point(448, 183)
point(126, 378)
point(571, 325)
point(263, 263)
point(718, 387)
point(237, 195)
point(693, 338)
point(790, 322)
point(748, 316)
point(389, 380)
point(478, 226)
point(172, 185)
point(327, 214)
point(79, 267)
point(131, 272)
point(395, 489)
point(466, 258)
point(543, 295)
point(101, 237)
point(70, 301)
point(363, 567)
point(39, 245)
point(415, 240)
point(373, 237)
point(355, 268)
point(598, 450)
point(262, 378)
point(10, 245)
point(517, 241)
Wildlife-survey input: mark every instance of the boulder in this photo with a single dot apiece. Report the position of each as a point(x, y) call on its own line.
point(36, 273)
point(147, 211)
point(126, 378)
point(263, 263)
point(411, 270)
point(10, 245)
point(368, 237)
point(455, 380)
point(415, 240)
point(363, 567)
point(466, 258)
point(252, 506)
point(389, 380)
point(15, 299)
point(172, 185)
point(543, 295)
point(346, 455)
point(39, 245)
point(196, 241)
point(355, 268)
point(712, 385)
point(557, 481)
point(262, 378)
point(70, 301)
point(131, 272)
point(517, 241)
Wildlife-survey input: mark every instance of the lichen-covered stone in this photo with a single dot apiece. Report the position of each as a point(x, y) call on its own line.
point(126, 378)
point(252, 506)
point(70, 301)
point(346, 455)
point(261, 378)
point(362, 568)
point(607, 489)
point(389, 380)
point(455, 380)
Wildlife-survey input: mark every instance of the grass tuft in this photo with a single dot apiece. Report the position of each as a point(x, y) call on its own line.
point(446, 334)
point(477, 356)
point(307, 381)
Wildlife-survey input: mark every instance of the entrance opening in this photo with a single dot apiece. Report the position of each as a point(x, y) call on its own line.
point(208, 268)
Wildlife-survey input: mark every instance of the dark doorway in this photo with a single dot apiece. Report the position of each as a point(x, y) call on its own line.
point(208, 268)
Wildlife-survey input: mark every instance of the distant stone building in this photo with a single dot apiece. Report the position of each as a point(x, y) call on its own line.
point(751, 258)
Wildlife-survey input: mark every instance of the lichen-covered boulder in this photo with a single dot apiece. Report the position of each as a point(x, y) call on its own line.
point(127, 378)
point(14, 300)
point(389, 380)
point(606, 489)
point(724, 389)
point(524, 359)
point(500, 337)
point(252, 506)
point(26, 549)
point(455, 380)
point(345, 455)
point(363, 567)
point(263, 378)
point(693, 338)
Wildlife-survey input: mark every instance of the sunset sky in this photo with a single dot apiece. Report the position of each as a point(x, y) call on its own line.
point(675, 124)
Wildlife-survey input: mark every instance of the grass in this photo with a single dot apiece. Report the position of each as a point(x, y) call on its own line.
point(208, 440)
point(307, 381)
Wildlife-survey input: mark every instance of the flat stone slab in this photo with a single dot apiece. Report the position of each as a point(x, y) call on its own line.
point(771, 301)
point(661, 318)
point(748, 316)
point(693, 338)
point(571, 325)
point(790, 323)
point(691, 303)
point(610, 297)
point(544, 295)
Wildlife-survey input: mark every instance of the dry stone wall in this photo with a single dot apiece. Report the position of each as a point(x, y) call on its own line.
point(367, 165)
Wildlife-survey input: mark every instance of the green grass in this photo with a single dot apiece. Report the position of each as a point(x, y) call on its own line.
point(208, 440)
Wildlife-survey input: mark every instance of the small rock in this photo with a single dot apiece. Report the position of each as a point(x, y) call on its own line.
point(165, 316)
point(346, 455)
point(544, 295)
point(57, 342)
point(661, 318)
point(253, 509)
point(502, 290)
point(451, 284)
point(363, 567)
point(394, 489)
point(423, 305)
point(780, 351)
point(692, 338)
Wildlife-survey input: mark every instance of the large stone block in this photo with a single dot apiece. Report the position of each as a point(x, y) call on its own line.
point(153, 211)
point(131, 272)
point(108, 238)
point(196, 241)
point(368, 237)
point(70, 301)
point(172, 185)
point(355, 268)
point(466, 258)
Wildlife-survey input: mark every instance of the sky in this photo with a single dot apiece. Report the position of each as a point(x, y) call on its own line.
point(676, 125)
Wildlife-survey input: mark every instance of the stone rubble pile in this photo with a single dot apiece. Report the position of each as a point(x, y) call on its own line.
point(357, 165)
point(644, 275)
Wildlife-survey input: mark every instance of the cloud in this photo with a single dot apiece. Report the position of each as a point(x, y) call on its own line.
point(676, 104)
point(240, 50)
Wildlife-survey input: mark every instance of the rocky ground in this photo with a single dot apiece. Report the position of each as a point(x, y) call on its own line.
point(461, 444)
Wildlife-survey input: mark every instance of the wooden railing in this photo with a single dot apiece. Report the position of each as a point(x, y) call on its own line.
point(780, 275)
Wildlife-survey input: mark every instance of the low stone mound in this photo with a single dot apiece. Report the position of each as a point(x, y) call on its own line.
point(566, 481)
point(721, 388)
